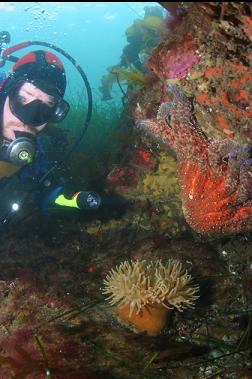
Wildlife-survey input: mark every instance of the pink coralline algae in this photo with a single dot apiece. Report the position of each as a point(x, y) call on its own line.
point(176, 61)
point(215, 176)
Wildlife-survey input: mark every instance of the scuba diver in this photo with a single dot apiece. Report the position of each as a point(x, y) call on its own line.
point(31, 97)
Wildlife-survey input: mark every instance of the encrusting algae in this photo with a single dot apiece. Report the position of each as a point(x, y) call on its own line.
point(145, 291)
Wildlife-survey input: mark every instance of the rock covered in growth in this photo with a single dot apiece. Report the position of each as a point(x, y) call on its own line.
point(215, 176)
point(208, 53)
point(206, 117)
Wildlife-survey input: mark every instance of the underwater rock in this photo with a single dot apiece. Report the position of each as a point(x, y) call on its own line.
point(144, 292)
point(177, 11)
point(215, 176)
point(231, 104)
point(209, 55)
point(123, 178)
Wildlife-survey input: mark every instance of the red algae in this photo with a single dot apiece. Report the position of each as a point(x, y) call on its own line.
point(29, 362)
point(143, 159)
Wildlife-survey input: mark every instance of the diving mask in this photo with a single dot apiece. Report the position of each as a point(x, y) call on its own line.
point(36, 112)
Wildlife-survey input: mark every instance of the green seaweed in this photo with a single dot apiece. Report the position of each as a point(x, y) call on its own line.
point(150, 359)
point(69, 313)
point(131, 75)
point(41, 348)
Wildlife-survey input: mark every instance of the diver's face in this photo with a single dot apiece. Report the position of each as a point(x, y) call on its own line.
point(27, 96)
point(29, 92)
